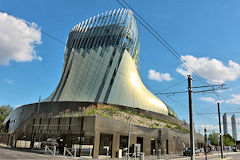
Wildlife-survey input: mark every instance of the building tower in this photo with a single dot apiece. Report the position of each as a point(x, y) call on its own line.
point(101, 65)
point(225, 127)
point(234, 127)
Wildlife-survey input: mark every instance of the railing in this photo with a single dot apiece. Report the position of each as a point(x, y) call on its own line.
point(129, 156)
point(68, 151)
point(51, 149)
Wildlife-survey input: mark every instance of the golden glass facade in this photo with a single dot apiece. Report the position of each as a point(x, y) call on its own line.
point(101, 64)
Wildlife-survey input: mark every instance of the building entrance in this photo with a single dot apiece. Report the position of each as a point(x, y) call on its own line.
point(105, 141)
point(140, 141)
point(153, 145)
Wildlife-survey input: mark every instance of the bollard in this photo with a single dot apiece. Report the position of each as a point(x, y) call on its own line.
point(135, 156)
point(165, 153)
point(143, 154)
point(159, 153)
point(64, 151)
point(54, 150)
point(75, 151)
point(107, 152)
point(90, 153)
point(45, 149)
point(153, 154)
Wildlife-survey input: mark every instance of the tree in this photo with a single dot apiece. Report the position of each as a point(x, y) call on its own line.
point(5, 110)
point(228, 140)
point(213, 137)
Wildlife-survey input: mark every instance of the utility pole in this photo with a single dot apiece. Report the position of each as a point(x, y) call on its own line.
point(192, 146)
point(205, 145)
point(220, 130)
point(190, 91)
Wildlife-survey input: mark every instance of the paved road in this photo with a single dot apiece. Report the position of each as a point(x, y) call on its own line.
point(10, 153)
point(212, 156)
point(235, 157)
point(229, 155)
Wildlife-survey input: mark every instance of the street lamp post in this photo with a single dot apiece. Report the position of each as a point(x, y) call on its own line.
point(129, 134)
point(39, 100)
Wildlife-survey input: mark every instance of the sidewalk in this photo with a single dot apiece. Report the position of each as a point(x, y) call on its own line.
point(212, 156)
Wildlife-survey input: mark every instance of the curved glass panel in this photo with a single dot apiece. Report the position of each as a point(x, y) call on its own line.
point(101, 64)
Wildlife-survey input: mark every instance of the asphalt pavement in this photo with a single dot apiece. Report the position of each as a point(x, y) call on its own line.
point(13, 153)
point(10, 153)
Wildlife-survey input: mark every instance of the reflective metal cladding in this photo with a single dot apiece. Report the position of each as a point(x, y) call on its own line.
point(101, 64)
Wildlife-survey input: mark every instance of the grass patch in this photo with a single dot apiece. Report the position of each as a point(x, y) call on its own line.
point(112, 112)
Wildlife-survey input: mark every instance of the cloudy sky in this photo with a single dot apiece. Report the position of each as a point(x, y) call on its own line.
point(205, 33)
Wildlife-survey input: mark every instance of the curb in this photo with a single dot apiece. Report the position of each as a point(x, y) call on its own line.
point(222, 159)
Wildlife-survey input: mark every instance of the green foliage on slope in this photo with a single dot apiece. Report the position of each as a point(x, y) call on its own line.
point(125, 115)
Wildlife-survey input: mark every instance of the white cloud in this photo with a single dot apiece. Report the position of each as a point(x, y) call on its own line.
point(220, 101)
point(154, 75)
point(17, 40)
point(212, 100)
point(208, 127)
point(207, 99)
point(212, 70)
point(234, 100)
point(9, 81)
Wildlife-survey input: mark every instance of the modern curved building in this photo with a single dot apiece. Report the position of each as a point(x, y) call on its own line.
point(101, 64)
point(101, 69)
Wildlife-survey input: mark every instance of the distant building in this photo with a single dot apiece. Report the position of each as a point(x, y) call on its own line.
point(234, 127)
point(225, 127)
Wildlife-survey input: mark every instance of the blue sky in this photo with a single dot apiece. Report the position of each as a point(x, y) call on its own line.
point(207, 31)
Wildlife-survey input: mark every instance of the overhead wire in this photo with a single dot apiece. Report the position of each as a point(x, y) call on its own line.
point(159, 38)
point(166, 45)
point(211, 113)
point(49, 35)
point(174, 85)
point(29, 24)
point(60, 41)
point(176, 101)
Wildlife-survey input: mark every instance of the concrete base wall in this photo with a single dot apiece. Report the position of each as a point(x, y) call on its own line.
point(72, 129)
point(23, 113)
point(5, 138)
